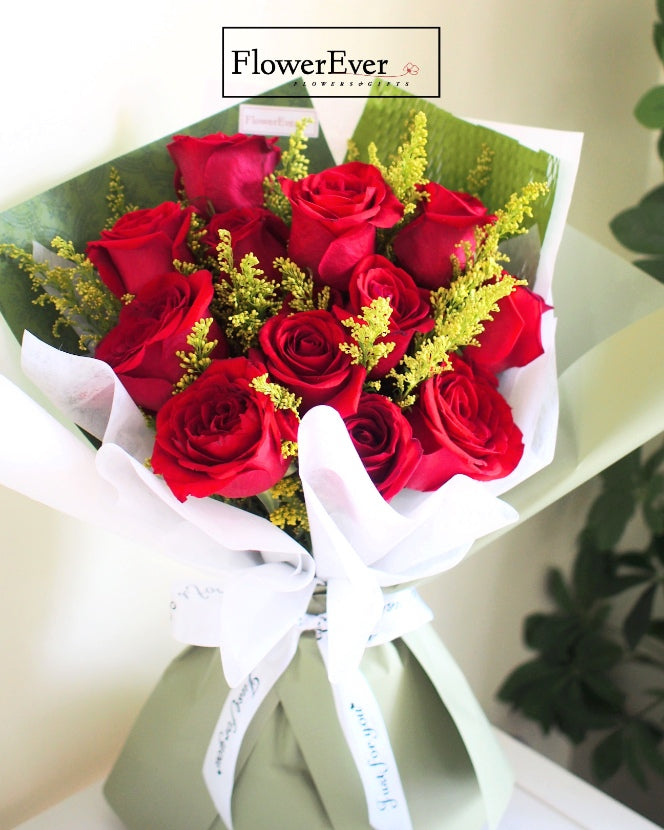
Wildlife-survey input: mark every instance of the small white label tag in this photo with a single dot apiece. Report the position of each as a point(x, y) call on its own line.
point(265, 120)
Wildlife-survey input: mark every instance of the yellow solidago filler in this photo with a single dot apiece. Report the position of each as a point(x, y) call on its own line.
point(245, 300)
point(352, 151)
point(289, 449)
point(202, 257)
point(74, 289)
point(300, 287)
point(290, 513)
point(479, 177)
point(431, 358)
point(281, 397)
point(409, 165)
point(372, 324)
point(198, 359)
point(115, 199)
point(294, 165)
point(472, 297)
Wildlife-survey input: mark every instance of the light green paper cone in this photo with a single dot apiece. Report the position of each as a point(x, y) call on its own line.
point(296, 771)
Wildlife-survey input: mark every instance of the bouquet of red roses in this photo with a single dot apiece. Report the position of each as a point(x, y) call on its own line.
point(343, 361)
point(394, 310)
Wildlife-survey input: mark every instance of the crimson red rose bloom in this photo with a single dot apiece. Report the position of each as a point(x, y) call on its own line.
point(375, 276)
point(384, 441)
point(301, 351)
point(253, 230)
point(335, 216)
point(513, 337)
point(142, 347)
point(141, 244)
point(465, 426)
point(424, 246)
point(224, 171)
point(222, 437)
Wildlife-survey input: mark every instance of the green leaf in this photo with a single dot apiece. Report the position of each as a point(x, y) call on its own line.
point(619, 584)
point(639, 560)
point(558, 591)
point(654, 267)
point(578, 712)
point(552, 634)
point(531, 689)
point(608, 756)
point(651, 197)
point(609, 514)
point(660, 9)
point(596, 653)
point(653, 503)
point(660, 145)
point(647, 739)
point(649, 110)
point(638, 620)
point(590, 571)
point(605, 690)
point(656, 547)
point(640, 228)
point(633, 762)
point(658, 39)
point(656, 630)
point(626, 470)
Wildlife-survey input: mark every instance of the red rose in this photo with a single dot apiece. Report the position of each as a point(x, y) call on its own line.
point(142, 347)
point(141, 244)
point(513, 337)
point(223, 171)
point(220, 436)
point(335, 216)
point(384, 441)
point(302, 352)
point(375, 276)
point(424, 246)
point(465, 426)
point(253, 230)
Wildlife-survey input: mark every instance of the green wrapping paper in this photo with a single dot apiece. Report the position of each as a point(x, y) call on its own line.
point(295, 770)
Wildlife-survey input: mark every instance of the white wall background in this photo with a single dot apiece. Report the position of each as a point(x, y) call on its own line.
point(84, 629)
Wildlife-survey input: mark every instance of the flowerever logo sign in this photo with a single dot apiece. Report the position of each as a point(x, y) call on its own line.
point(340, 61)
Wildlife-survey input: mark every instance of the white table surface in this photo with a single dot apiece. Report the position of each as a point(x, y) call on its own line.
point(546, 797)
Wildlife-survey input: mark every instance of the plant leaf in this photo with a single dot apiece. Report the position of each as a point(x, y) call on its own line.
point(658, 39)
point(640, 228)
point(552, 634)
point(649, 109)
point(656, 630)
point(558, 590)
point(638, 620)
point(653, 503)
point(632, 761)
point(654, 267)
point(610, 512)
point(608, 756)
point(647, 738)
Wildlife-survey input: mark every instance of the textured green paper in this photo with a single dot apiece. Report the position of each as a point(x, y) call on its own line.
point(296, 772)
point(453, 147)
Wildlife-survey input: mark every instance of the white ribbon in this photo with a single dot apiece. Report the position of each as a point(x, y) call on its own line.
point(196, 610)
